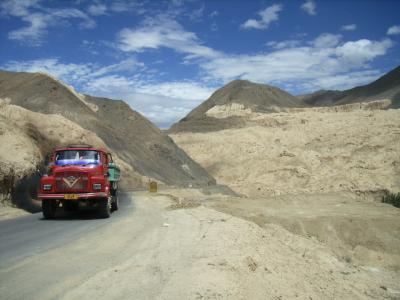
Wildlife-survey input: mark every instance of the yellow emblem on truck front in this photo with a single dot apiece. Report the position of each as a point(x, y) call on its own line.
point(70, 181)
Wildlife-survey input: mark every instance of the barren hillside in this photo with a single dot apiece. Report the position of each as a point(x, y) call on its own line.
point(304, 151)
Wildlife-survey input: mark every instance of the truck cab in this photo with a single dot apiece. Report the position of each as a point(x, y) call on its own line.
point(78, 176)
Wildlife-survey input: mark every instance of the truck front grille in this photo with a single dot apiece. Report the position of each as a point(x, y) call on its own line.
point(71, 182)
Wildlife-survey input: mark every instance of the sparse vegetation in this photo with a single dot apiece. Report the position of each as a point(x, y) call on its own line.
point(392, 198)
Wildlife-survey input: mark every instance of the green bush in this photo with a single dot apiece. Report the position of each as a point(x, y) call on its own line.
point(393, 199)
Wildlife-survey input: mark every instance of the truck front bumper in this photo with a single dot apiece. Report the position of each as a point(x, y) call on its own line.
point(79, 196)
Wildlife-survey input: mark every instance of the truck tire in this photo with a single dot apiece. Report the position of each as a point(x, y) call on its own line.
point(49, 208)
point(105, 208)
point(114, 203)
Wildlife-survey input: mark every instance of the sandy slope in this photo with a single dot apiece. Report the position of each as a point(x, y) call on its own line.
point(305, 151)
point(8, 212)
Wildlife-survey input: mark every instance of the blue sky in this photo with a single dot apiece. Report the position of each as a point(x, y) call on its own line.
point(165, 57)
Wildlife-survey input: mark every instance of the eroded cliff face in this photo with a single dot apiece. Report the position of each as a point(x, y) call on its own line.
point(20, 157)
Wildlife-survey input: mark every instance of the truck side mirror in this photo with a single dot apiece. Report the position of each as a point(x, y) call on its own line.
point(47, 159)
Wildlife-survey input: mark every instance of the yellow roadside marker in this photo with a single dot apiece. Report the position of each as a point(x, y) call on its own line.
point(153, 187)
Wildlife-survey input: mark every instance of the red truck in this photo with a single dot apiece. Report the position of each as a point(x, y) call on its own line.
point(79, 176)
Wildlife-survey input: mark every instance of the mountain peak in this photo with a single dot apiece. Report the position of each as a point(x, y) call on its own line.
point(239, 94)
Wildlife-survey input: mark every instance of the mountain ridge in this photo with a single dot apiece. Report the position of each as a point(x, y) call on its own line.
point(385, 87)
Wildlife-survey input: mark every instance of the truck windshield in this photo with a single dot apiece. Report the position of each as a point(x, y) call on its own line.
point(77, 157)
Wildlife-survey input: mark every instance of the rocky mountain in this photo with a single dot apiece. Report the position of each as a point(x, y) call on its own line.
point(386, 87)
point(131, 136)
point(235, 99)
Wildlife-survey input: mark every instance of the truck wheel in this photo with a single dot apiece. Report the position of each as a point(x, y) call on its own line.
point(49, 208)
point(105, 208)
point(114, 204)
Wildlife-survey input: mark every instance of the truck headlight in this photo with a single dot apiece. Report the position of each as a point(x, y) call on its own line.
point(46, 187)
point(97, 186)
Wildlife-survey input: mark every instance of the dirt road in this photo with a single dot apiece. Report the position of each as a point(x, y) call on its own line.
point(151, 249)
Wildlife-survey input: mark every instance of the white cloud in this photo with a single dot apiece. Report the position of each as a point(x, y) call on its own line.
point(162, 109)
point(122, 6)
point(181, 90)
point(196, 15)
point(350, 27)
point(39, 19)
point(74, 73)
point(394, 30)
point(109, 83)
point(214, 13)
point(163, 103)
point(284, 44)
point(344, 81)
point(32, 33)
point(97, 9)
point(55, 15)
point(359, 52)
point(268, 15)
point(17, 8)
point(165, 116)
point(127, 65)
point(309, 7)
point(186, 91)
point(312, 66)
point(327, 40)
point(67, 72)
point(162, 32)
